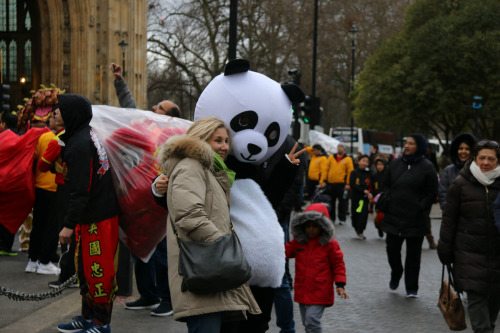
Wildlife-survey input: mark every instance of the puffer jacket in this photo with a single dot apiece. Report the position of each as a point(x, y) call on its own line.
point(198, 204)
point(339, 172)
point(318, 166)
point(468, 237)
point(319, 262)
point(413, 190)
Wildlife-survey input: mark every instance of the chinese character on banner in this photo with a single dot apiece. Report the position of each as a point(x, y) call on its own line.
point(97, 271)
point(92, 229)
point(95, 248)
point(99, 292)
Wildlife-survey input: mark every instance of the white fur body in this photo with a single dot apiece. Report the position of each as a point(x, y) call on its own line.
point(260, 233)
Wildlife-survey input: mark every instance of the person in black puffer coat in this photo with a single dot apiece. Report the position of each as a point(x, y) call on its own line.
point(468, 237)
point(412, 183)
point(460, 150)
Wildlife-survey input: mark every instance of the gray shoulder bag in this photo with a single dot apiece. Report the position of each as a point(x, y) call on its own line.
point(212, 267)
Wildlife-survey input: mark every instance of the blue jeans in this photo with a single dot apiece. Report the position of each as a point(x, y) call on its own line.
point(206, 323)
point(283, 302)
point(152, 277)
point(283, 306)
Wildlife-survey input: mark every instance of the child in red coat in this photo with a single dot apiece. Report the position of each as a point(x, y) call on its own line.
point(319, 263)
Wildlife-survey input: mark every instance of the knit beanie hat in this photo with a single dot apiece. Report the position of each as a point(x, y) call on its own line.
point(318, 207)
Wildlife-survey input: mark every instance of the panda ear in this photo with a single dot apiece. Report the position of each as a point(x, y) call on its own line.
point(237, 66)
point(294, 93)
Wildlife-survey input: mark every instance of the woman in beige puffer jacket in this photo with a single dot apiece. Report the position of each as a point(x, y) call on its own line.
point(198, 200)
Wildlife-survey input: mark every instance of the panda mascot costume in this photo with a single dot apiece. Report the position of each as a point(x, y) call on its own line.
point(258, 113)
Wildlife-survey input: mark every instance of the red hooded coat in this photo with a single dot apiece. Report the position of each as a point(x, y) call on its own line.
point(319, 262)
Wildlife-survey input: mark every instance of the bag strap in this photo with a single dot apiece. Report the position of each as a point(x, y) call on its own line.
point(400, 176)
point(451, 281)
point(179, 240)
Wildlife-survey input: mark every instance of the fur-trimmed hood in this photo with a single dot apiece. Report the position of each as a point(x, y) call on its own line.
point(182, 146)
point(326, 225)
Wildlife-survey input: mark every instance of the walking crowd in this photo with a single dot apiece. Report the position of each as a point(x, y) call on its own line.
point(203, 185)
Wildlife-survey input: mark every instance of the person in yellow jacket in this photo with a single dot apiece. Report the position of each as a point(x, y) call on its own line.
point(317, 169)
point(339, 168)
point(44, 236)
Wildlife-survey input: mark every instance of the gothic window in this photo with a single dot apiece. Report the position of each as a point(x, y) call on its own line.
point(27, 59)
point(12, 66)
point(16, 39)
point(12, 18)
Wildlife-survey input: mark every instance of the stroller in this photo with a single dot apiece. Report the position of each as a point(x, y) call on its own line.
point(321, 195)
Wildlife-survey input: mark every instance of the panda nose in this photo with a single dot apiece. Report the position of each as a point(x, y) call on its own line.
point(253, 149)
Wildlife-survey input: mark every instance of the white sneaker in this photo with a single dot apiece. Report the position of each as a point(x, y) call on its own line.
point(48, 269)
point(32, 266)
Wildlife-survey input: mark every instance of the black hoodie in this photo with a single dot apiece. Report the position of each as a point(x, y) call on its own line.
point(92, 197)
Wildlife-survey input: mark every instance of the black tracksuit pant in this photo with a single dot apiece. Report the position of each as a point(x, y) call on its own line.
point(67, 263)
point(6, 239)
point(44, 235)
point(412, 261)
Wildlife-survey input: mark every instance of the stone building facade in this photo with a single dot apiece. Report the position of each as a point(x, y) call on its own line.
point(71, 43)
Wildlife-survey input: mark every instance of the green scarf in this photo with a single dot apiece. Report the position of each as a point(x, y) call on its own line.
point(219, 165)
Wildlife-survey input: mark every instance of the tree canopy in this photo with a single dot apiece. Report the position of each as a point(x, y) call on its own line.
point(424, 78)
point(188, 43)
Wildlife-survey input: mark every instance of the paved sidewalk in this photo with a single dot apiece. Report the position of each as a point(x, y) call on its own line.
point(372, 308)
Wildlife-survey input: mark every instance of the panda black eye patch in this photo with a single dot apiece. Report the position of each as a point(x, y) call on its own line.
point(244, 120)
point(272, 134)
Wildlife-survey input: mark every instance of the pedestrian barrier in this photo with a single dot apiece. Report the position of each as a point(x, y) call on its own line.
point(20, 296)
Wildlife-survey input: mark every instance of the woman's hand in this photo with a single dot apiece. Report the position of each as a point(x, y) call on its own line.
point(292, 156)
point(161, 184)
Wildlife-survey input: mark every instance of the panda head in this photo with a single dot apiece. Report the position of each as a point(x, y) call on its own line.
point(256, 109)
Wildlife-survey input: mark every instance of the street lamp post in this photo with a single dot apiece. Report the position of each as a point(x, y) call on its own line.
point(352, 33)
point(477, 104)
point(123, 44)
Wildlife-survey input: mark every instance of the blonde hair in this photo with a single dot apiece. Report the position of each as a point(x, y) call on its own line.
point(204, 128)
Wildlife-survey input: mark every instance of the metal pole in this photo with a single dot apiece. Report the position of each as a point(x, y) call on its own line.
point(233, 28)
point(123, 62)
point(476, 127)
point(353, 49)
point(315, 47)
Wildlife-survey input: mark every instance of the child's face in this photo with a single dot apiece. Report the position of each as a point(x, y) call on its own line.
point(380, 166)
point(363, 163)
point(312, 230)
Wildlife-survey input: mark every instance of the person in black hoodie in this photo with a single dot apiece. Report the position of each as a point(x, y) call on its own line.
point(412, 183)
point(360, 182)
point(92, 212)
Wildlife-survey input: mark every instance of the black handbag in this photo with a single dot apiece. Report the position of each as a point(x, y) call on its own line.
point(212, 267)
point(383, 201)
point(450, 304)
